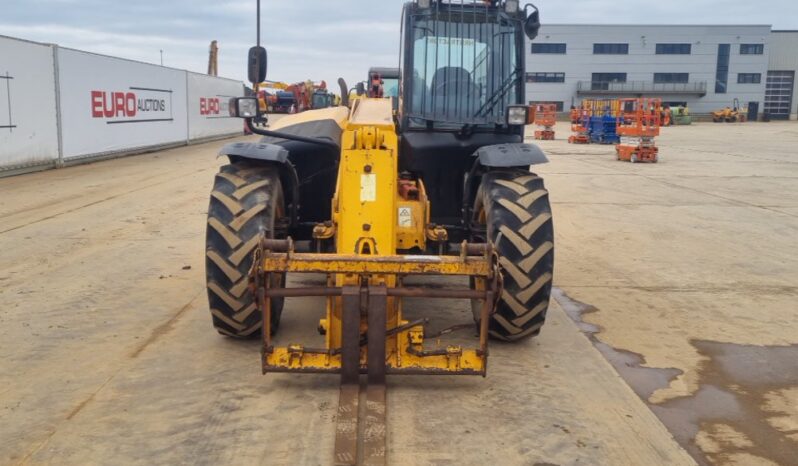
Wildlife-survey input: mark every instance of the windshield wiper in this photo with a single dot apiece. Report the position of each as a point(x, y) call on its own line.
point(498, 96)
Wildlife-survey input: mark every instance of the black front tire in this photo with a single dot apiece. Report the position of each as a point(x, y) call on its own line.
point(246, 201)
point(514, 207)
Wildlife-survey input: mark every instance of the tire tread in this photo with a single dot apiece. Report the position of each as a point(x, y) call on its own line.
point(520, 225)
point(243, 204)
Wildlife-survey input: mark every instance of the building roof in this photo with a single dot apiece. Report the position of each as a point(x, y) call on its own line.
point(659, 25)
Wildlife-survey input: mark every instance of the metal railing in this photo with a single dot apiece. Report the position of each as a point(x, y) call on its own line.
point(467, 63)
point(640, 87)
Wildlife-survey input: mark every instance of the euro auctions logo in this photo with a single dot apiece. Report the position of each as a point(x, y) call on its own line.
point(135, 105)
point(209, 106)
point(214, 107)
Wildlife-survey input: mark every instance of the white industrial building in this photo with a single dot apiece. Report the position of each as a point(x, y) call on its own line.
point(704, 67)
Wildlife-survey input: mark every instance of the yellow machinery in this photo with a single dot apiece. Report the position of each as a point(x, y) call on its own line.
point(367, 236)
point(727, 115)
point(731, 114)
point(275, 85)
point(363, 324)
point(380, 191)
point(268, 101)
point(681, 116)
point(599, 107)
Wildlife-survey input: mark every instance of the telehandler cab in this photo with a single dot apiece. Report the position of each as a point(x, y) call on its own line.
point(436, 182)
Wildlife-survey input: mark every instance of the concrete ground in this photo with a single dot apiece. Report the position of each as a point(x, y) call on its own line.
point(687, 273)
point(678, 276)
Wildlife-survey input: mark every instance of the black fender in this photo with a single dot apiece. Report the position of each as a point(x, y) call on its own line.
point(261, 152)
point(510, 155)
point(254, 151)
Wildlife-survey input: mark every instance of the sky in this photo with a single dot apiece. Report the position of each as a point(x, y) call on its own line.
point(312, 39)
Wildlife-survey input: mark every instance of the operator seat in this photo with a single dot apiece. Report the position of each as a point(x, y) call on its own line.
point(452, 88)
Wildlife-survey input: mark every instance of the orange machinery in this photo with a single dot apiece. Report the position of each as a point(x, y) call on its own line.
point(574, 114)
point(303, 94)
point(580, 126)
point(289, 98)
point(376, 89)
point(638, 125)
point(546, 118)
point(666, 116)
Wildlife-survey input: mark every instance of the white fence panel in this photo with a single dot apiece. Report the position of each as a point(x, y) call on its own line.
point(28, 122)
point(110, 104)
point(208, 98)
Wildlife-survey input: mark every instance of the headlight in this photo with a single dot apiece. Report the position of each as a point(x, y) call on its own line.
point(517, 115)
point(243, 107)
point(511, 6)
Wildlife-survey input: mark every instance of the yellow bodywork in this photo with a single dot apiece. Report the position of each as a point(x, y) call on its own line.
point(338, 114)
point(369, 227)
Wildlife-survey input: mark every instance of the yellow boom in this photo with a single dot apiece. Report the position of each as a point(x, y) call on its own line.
point(370, 219)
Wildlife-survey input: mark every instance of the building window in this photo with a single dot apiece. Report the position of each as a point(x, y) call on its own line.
point(611, 49)
point(749, 78)
point(549, 48)
point(602, 81)
point(752, 49)
point(667, 78)
point(722, 70)
point(560, 105)
point(545, 77)
point(674, 49)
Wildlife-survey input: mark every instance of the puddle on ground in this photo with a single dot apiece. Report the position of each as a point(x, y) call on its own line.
point(736, 383)
point(643, 380)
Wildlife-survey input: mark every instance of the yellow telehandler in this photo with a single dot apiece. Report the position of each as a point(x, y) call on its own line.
point(436, 182)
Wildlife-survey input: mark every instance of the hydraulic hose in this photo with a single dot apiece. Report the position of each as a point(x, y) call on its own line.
point(291, 137)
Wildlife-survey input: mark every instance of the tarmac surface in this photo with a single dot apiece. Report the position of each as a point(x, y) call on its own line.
point(671, 339)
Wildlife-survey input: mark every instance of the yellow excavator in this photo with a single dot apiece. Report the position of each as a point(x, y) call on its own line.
point(379, 192)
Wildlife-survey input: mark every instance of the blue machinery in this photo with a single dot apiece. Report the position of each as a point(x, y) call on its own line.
point(603, 129)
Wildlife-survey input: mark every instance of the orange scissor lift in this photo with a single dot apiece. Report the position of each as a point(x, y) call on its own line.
point(546, 118)
point(638, 125)
point(580, 126)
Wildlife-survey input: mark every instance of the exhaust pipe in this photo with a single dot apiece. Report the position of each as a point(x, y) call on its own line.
point(344, 92)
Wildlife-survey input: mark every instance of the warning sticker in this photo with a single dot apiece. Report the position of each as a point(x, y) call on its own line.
point(368, 187)
point(405, 217)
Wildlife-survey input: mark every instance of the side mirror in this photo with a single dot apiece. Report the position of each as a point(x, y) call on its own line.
point(243, 107)
point(532, 24)
point(360, 88)
point(257, 60)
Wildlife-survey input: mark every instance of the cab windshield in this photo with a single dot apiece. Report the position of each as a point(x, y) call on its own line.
point(465, 68)
point(321, 101)
point(390, 87)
